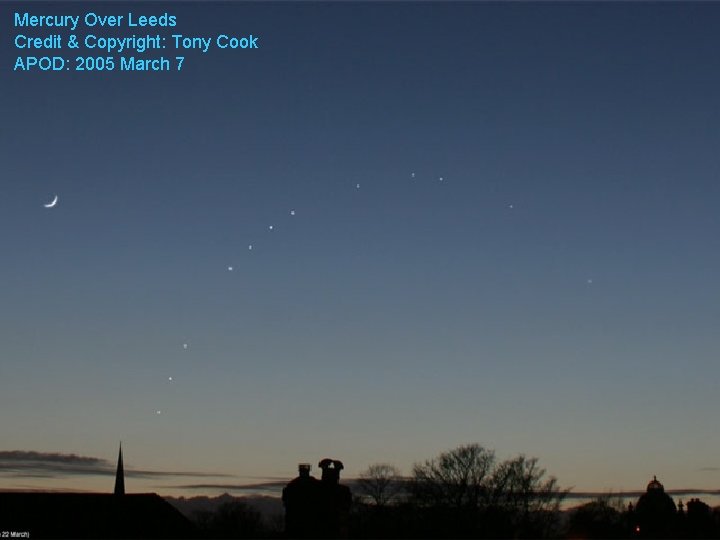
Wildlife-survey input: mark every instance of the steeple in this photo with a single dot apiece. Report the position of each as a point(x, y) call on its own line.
point(120, 475)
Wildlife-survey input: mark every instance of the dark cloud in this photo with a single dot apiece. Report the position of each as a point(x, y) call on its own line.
point(136, 473)
point(709, 469)
point(28, 464)
point(20, 463)
point(29, 456)
point(31, 474)
point(257, 486)
point(273, 486)
point(637, 494)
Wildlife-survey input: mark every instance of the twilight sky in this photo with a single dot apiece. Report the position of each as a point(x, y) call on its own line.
point(555, 294)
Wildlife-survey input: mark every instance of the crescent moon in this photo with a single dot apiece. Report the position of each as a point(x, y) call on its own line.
point(51, 204)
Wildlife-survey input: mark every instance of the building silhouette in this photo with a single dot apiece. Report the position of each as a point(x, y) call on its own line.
point(93, 515)
point(655, 514)
point(120, 475)
point(302, 513)
point(317, 508)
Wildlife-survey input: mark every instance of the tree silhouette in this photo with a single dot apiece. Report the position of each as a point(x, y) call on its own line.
point(380, 483)
point(234, 519)
point(519, 488)
point(599, 518)
point(463, 492)
point(456, 478)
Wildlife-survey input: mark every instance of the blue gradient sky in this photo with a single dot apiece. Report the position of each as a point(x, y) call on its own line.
point(390, 322)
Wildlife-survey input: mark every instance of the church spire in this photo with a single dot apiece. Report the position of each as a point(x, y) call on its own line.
point(120, 475)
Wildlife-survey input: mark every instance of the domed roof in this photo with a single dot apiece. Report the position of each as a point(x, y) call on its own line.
point(655, 511)
point(654, 485)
